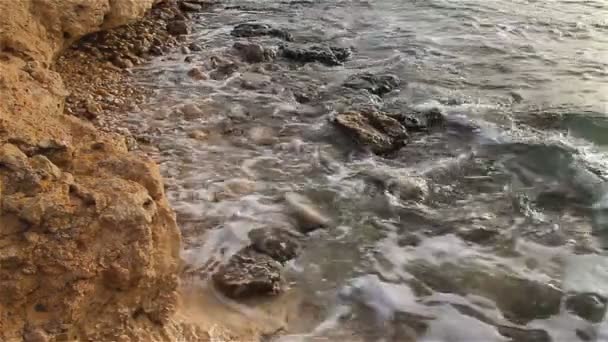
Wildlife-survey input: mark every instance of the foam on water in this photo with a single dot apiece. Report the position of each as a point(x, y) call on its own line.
point(488, 66)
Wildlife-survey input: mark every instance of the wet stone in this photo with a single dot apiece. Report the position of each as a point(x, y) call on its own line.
point(178, 27)
point(249, 273)
point(478, 235)
point(194, 47)
point(259, 29)
point(589, 306)
point(328, 55)
point(197, 74)
point(409, 240)
point(254, 53)
point(375, 84)
point(307, 215)
point(374, 130)
point(280, 244)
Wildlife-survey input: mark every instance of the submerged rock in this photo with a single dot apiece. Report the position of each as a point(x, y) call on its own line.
point(517, 334)
point(375, 84)
point(521, 300)
point(589, 306)
point(254, 53)
point(307, 215)
point(258, 29)
point(280, 244)
point(249, 273)
point(197, 74)
point(328, 55)
point(262, 135)
point(374, 130)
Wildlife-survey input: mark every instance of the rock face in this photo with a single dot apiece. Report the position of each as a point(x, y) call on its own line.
point(87, 239)
point(257, 29)
point(374, 130)
point(328, 55)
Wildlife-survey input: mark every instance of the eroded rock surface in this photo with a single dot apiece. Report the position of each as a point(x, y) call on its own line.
point(87, 239)
point(249, 273)
point(258, 29)
point(374, 130)
point(328, 55)
point(375, 84)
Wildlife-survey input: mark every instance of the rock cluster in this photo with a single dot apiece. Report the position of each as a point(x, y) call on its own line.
point(256, 269)
point(106, 87)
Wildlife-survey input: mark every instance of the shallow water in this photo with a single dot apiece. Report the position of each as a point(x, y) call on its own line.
point(513, 222)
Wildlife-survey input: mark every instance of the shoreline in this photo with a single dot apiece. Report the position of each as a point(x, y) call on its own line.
point(90, 247)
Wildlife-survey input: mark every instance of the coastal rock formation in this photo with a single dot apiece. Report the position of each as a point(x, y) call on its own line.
point(88, 244)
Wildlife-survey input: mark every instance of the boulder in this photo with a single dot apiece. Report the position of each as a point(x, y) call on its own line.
point(249, 273)
point(278, 243)
point(375, 84)
point(374, 130)
point(248, 30)
point(328, 55)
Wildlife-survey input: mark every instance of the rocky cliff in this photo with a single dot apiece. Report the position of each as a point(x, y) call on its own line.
point(88, 244)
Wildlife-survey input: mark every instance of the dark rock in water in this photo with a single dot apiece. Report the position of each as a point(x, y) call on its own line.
point(420, 121)
point(434, 117)
point(588, 333)
point(194, 47)
point(254, 53)
point(589, 306)
point(517, 334)
point(478, 235)
point(521, 300)
point(178, 27)
point(258, 29)
point(328, 55)
point(375, 130)
point(409, 239)
point(278, 243)
point(222, 68)
point(249, 273)
point(375, 84)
